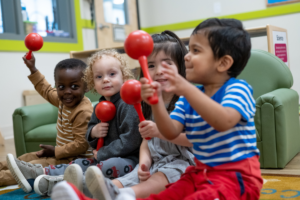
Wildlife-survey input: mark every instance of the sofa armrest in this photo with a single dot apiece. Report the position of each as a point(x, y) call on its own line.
point(29, 117)
point(277, 123)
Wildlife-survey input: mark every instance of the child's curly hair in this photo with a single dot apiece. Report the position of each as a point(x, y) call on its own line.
point(89, 75)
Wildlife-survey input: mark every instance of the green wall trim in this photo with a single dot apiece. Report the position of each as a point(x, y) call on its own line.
point(268, 12)
point(86, 23)
point(18, 45)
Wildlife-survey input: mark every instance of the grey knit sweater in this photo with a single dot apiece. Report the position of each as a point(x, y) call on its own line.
point(123, 138)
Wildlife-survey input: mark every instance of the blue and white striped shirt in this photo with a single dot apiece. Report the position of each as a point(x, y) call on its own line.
point(210, 146)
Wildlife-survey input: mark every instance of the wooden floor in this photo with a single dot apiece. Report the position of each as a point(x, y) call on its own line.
point(9, 147)
point(292, 168)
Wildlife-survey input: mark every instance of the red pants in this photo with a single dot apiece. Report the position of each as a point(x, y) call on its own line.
point(231, 181)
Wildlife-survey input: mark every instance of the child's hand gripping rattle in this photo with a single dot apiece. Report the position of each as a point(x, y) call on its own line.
point(131, 94)
point(33, 42)
point(105, 111)
point(138, 45)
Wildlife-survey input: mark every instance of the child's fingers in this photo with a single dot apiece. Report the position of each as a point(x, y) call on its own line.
point(143, 123)
point(143, 80)
point(143, 130)
point(144, 134)
point(165, 65)
point(104, 128)
point(155, 84)
point(144, 168)
point(104, 124)
point(143, 174)
point(169, 72)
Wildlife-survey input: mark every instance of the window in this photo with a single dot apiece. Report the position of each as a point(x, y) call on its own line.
point(54, 20)
point(40, 16)
point(115, 11)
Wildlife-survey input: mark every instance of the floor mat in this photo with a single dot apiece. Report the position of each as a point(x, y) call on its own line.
point(280, 187)
point(14, 192)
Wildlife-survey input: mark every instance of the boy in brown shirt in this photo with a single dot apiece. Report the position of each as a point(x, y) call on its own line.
point(74, 113)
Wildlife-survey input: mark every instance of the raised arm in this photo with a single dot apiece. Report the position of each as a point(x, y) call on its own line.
point(40, 83)
point(169, 128)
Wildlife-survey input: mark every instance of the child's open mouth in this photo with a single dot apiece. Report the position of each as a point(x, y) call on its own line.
point(68, 100)
point(162, 80)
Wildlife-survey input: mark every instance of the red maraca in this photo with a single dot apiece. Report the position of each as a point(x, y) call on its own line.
point(138, 45)
point(33, 42)
point(131, 94)
point(105, 111)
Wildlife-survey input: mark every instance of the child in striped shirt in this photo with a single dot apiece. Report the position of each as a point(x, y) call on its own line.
point(218, 116)
point(74, 113)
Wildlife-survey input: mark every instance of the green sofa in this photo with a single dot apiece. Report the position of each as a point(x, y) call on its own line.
point(34, 125)
point(276, 119)
point(277, 113)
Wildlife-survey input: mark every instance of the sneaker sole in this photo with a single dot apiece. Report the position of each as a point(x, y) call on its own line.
point(95, 182)
point(17, 174)
point(63, 191)
point(74, 175)
point(36, 185)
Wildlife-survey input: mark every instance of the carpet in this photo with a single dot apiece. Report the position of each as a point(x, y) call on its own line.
point(280, 187)
point(275, 188)
point(16, 193)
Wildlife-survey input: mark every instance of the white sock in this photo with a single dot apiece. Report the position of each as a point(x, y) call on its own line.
point(126, 193)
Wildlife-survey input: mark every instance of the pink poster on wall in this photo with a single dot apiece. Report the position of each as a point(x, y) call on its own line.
point(281, 52)
point(280, 46)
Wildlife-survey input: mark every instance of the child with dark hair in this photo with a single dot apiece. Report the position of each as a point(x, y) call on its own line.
point(161, 161)
point(218, 116)
point(74, 113)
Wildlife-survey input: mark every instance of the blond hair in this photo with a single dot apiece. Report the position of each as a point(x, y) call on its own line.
point(89, 75)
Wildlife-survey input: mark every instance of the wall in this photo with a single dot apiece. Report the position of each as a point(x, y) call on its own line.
point(156, 13)
point(13, 76)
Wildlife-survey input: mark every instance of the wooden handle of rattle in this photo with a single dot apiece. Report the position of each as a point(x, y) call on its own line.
point(144, 66)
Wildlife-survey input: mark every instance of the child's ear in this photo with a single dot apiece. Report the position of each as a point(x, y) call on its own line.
point(225, 63)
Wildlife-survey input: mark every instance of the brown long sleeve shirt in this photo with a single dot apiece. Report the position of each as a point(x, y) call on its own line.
point(71, 122)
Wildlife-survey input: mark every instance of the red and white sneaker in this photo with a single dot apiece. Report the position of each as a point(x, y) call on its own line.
point(67, 191)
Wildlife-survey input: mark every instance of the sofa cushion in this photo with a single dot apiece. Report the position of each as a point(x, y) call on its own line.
point(45, 133)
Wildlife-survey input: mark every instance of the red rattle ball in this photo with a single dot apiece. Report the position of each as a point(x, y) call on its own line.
point(33, 42)
point(131, 94)
point(138, 45)
point(105, 111)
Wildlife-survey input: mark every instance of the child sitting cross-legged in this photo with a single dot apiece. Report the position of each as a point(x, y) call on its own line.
point(107, 70)
point(74, 113)
point(218, 117)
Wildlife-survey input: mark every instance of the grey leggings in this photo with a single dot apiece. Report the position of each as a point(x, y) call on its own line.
point(111, 168)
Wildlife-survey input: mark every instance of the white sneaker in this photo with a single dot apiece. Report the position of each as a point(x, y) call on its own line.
point(22, 171)
point(44, 184)
point(73, 174)
point(100, 186)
